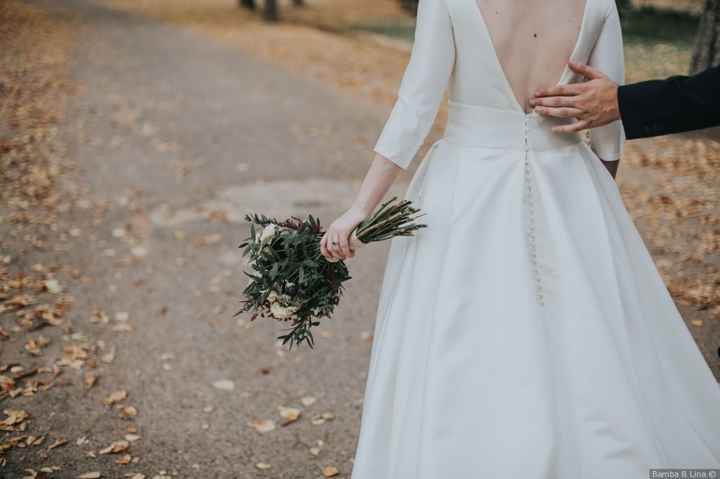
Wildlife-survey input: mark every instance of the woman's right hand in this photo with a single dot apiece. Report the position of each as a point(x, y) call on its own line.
point(335, 243)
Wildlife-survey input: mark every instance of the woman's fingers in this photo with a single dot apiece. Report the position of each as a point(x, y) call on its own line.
point(334, 247)
point(344, 246)
point(329, 250)
point(336, 244)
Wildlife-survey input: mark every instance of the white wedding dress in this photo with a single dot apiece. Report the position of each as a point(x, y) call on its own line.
point(525, 333)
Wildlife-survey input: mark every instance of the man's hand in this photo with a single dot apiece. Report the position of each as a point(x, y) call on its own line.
point(592, 103)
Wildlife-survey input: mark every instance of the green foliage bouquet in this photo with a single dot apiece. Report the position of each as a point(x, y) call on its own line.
point(291, 281)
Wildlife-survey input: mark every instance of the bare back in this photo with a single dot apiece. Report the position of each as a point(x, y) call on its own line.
point(533, 40)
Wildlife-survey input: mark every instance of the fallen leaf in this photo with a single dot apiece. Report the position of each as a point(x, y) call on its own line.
point(308, 401)
point(224, 384)
point(90, 475)
point(35, 346)
point(115, 397)
point(289, 414)
point(128, 411)
point(108, 357)
point(263, 425)
point(14, 419)
point(115, 448)
point(53, 286)
point(330, 471)
point(57, 443)
point(99, 316)
point(90, 380)
point(263, 466)
point(122, 328)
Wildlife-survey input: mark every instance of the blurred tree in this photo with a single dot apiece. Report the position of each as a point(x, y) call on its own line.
point(624, 4)
point(707, 43)
point(409, 5)
point(270, 11)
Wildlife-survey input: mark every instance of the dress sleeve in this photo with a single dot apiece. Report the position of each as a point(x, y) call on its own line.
point(608, 57)
point(422, 86)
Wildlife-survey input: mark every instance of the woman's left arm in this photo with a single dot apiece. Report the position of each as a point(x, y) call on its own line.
point(419, 96)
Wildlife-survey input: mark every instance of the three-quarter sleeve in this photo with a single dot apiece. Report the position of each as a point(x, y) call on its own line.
point(608, 57)
point(422, 86)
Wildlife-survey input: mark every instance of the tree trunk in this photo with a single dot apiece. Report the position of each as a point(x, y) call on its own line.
point(249, 4)
point(707, 43)
point(299, 3)
point(270, 11)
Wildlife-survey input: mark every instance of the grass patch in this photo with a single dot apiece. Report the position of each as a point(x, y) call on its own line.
point(653, 25)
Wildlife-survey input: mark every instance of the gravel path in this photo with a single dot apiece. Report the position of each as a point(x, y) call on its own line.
point(177, 136)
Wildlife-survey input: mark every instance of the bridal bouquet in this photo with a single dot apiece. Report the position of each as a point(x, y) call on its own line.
point(291, 281)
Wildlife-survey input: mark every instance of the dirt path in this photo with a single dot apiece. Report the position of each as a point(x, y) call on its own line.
point(177, 136)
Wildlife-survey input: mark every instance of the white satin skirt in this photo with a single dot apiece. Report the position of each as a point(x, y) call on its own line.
point(526, 332)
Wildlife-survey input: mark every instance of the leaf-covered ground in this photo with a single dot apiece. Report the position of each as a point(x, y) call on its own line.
point(130, 150)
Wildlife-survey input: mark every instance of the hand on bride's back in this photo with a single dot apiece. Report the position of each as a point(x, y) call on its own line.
point(335, 243)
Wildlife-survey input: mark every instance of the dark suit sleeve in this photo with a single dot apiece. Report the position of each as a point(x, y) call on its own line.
point(678, 104)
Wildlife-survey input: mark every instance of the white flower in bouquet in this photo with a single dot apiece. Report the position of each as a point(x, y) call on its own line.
point(279, 311)
point(279, 307)
point(268, 233)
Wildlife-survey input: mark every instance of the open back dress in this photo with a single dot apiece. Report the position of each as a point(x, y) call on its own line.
point(526, 332)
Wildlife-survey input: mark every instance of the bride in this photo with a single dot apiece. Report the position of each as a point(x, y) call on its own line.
point(526, 331)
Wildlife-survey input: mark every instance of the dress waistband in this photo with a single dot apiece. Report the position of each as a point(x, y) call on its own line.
point(483, 127)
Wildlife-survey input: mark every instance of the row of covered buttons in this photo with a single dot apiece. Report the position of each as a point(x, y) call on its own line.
point(532, 247)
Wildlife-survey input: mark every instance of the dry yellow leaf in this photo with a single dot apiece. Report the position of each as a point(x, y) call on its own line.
point(115, 397)
point(35, 346)
point(14, 418)
point(263, 466)
point(128, 411)
point(330, 471)
point(289, 414)
point(90, 380)
point(90, 475)
point(57, 443)
point(116, 447)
